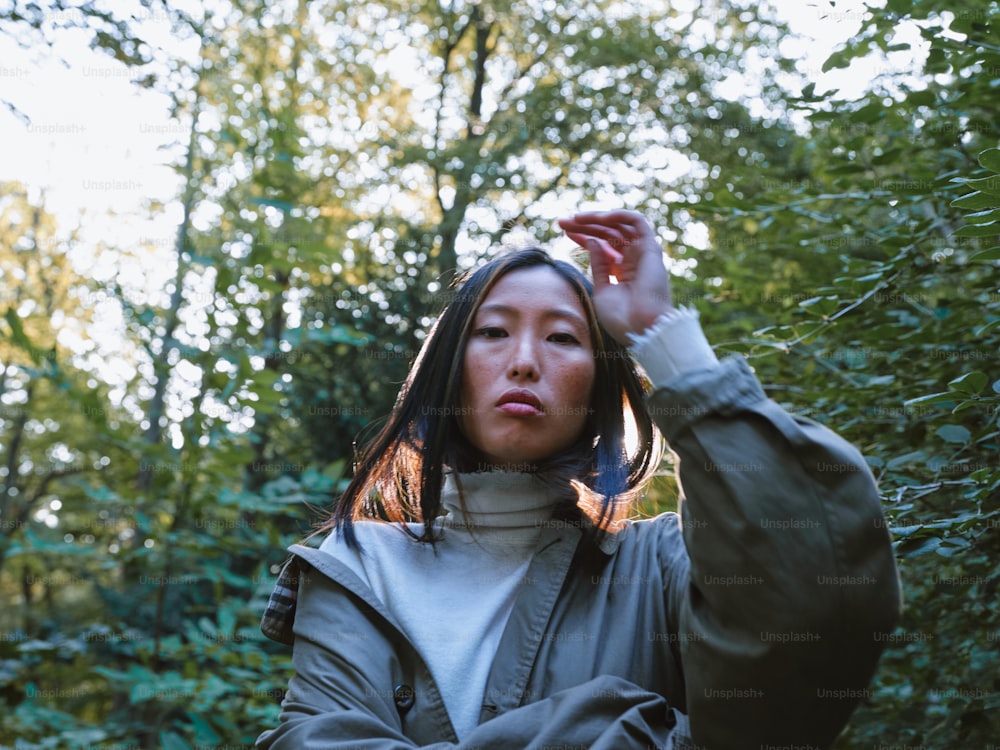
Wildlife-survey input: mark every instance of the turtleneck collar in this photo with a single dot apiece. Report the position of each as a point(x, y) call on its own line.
point(496, 500)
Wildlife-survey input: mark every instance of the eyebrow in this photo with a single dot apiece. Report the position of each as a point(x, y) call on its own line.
point(552, 312)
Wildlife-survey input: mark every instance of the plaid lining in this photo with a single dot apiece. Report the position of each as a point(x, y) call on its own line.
point(279, 614)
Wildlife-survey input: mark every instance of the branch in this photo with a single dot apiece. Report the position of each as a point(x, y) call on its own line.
point(14, 448)
point(40, 490)
point(925, 489)
point(497, 236)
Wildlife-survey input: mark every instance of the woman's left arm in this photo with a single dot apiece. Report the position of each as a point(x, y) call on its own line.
point(792, 585)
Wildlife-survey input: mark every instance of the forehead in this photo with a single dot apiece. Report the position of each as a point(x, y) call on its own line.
point(536, 288)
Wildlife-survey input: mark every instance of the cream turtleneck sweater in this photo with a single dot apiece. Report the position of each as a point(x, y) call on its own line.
point(454, 602)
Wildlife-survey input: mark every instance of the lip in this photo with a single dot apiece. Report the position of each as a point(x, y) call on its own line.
point(520, 403)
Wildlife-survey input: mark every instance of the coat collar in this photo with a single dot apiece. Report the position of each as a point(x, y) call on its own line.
point(278, 620)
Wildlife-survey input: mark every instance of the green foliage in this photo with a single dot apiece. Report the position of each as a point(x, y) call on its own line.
point(870, 286)
point(852, 256)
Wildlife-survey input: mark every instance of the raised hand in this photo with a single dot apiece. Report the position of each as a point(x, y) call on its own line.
point(623, 245)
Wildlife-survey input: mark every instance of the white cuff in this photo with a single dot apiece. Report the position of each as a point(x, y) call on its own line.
point(674, 344)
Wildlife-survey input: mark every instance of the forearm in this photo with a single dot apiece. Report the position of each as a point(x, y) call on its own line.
point(606, 713)
point(761, 487)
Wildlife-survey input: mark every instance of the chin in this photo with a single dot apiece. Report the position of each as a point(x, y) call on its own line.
point(525, 463)
point(507, 465)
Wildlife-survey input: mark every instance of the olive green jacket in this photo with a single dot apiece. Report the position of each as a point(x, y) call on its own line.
point(754, 619)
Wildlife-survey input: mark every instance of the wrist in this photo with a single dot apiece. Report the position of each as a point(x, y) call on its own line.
point(646, 318)
point(674, 344)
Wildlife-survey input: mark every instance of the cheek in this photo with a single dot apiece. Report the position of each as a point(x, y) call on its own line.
point(578, 383)
point(472, 376)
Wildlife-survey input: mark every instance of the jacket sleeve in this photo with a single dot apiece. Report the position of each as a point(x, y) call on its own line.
point(606, 713)
point(792, 583)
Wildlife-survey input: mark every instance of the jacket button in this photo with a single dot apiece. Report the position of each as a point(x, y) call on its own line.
point(403, 696)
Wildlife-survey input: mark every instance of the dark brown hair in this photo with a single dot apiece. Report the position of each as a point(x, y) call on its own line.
point(399, 473)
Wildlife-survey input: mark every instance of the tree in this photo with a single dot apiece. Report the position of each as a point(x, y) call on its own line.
point(341, 163)
point(40, 301)
point(864, 277)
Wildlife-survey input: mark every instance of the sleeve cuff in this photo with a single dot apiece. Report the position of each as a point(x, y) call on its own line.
point(674, 344)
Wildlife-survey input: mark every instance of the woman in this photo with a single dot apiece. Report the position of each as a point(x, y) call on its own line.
point(507, 604)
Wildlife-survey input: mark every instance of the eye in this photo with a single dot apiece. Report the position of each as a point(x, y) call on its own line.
point(490, 332)
point(564, 338)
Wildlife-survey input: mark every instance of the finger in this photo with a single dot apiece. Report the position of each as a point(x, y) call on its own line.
point(635, 233)
point(570, 225)
point(579, 239)
point(600, 264)
point(610, 235)
point(582, 238)
point(621, 219)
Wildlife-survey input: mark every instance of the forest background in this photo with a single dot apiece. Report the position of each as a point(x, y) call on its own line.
point(174, 409)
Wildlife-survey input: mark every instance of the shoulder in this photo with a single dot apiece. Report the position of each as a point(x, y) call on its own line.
point(659, 538)
point(384, 551)
point(649, 530)
point(376, 532)
point(374, 538)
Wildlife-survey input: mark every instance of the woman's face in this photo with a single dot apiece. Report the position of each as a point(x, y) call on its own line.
point(528, 370)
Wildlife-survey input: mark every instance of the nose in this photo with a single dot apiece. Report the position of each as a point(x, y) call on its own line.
point(524, 359)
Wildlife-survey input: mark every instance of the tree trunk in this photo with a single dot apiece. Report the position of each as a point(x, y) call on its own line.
point(10, 508)
point(161, 367)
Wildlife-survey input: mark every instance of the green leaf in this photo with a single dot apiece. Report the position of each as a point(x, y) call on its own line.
point(876, 380)
point(889, 156)
point(38, 543)
point(937, 61)
point(173, 741)
point(822, 306)
point(201, 260)
point(905, 459)
point(283, 206)
point(849, 168)
point(953, 433)
point(970, 383)
point(19, 337)
point(990, 185)
point(916, 547)
point(923, 98)
point(976, 201)
point(978, 230)
point(875, 276)
point(334, 470)
point(990, 159)
point(952, 546)
point(83, 737)
point(982, 217)
point(933, 398)
point(992, 253)
point(970, 404)
point(227, 622)
point(204, 734)
point(839, 59)
point(727, 200)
